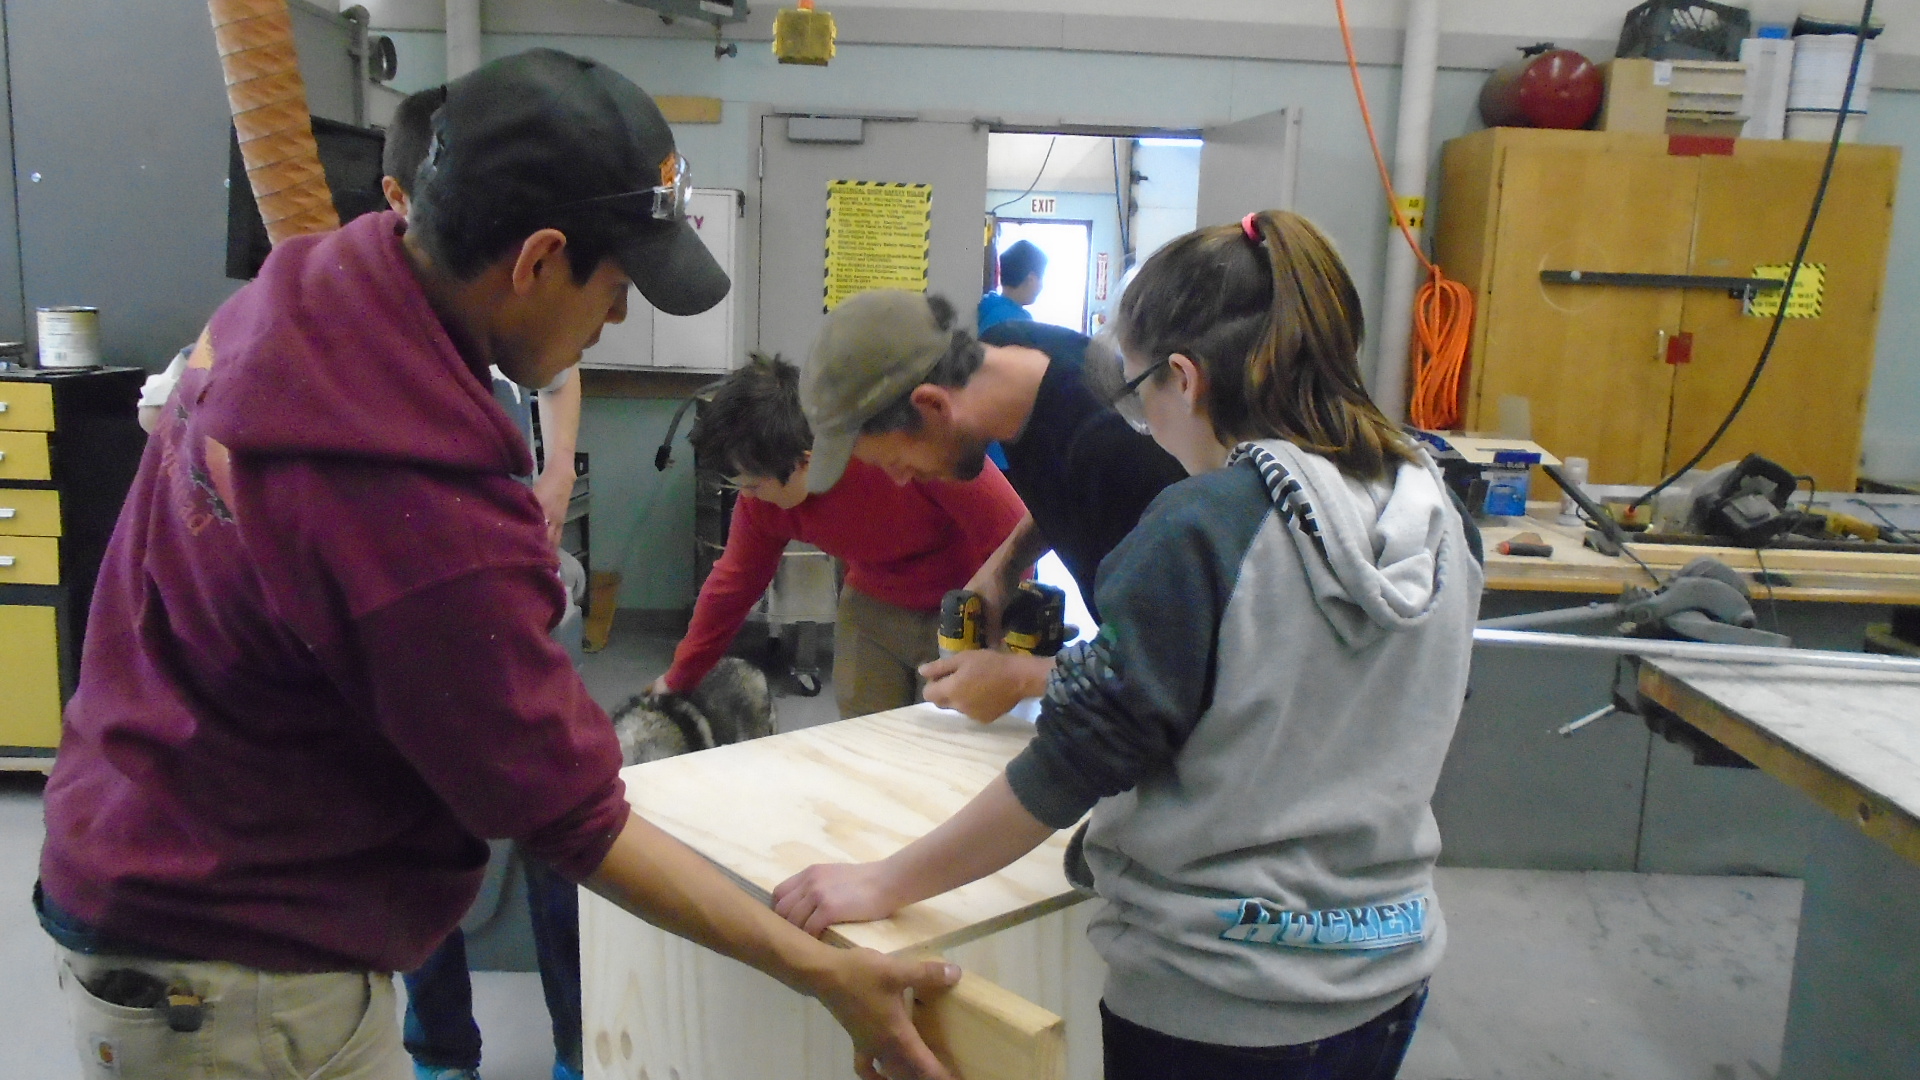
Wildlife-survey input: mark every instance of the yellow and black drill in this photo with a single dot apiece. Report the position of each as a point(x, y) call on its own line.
point(1034, 622)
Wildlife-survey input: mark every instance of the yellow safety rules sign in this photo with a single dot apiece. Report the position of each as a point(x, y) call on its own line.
point(1809, 288)
point(878, 237)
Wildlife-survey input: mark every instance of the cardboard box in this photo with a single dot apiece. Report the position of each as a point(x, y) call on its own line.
point(1633, 101)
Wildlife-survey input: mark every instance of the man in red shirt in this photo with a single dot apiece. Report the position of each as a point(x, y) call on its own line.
point(904, 545)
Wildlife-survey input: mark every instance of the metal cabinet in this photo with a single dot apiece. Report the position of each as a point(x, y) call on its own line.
point(710, 341)
point(69, 447)
point(1635, 379)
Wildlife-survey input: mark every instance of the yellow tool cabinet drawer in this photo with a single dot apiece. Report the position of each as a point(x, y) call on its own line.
point(29, 512)
point(29, 560)
point(26, 407)
point(23, 456)
point(29, 677)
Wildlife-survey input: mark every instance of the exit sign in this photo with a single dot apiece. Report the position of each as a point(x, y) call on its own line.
point(1043, 204)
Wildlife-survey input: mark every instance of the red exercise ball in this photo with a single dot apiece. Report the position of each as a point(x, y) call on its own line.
point(1545, 88)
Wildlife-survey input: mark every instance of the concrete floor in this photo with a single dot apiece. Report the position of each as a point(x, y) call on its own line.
point(1548, 976)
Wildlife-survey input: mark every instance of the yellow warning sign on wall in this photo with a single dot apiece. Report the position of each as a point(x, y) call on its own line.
point(878, 237)
point(1809, 288)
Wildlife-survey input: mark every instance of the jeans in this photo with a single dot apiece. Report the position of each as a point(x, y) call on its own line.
point(1372, 1051)
point(440, 1030)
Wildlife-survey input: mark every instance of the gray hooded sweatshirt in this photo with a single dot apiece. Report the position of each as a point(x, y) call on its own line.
point(1258, 729)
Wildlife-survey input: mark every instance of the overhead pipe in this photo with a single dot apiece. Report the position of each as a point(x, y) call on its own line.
point(1418, 63)
point(268, 100)
point(463, 37)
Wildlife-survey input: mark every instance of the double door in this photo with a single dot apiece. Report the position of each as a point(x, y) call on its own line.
point(1636, 379)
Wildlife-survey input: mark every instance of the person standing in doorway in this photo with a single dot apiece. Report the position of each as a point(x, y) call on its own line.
point(1022, 266)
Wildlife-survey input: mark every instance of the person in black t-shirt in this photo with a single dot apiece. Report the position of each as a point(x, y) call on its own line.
point(893, 381)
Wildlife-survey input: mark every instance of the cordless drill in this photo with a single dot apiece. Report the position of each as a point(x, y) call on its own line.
point(1034, 622)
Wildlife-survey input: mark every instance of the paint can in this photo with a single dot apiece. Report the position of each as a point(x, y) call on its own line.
point(69, 337)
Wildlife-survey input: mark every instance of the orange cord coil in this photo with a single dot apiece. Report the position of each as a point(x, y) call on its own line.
point(1443, 308)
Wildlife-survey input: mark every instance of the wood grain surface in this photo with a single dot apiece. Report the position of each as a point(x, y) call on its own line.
point(1846, 577)
point(660, 1008)
point(1809, 409)
point(1850, 740)
point(851, 792)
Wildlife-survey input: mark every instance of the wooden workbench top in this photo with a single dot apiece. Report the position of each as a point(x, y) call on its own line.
point(1848, 577)
point(850, 792)
point(1849, 739)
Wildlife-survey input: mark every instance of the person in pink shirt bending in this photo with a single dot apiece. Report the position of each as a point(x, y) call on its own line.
point(905, 545)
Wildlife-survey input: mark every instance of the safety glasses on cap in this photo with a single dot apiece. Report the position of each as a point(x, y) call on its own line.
point(669, 199)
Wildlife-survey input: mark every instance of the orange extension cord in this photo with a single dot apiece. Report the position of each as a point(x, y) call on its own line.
point(1442, 310)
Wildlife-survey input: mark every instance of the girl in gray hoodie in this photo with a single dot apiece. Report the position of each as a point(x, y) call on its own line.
point(1258, 726)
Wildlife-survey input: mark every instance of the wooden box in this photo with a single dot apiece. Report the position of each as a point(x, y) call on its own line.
point(655, 1006)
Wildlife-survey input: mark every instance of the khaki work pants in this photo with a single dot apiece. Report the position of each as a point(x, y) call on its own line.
point(256, 1025)
point(877, 648)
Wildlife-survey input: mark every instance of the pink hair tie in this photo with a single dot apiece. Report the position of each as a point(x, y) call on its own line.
point(1247, 226)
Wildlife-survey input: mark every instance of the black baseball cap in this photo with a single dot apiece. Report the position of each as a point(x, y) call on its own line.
point(563, 131)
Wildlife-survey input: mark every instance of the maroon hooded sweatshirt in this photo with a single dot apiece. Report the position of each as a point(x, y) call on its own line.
point(317, 669)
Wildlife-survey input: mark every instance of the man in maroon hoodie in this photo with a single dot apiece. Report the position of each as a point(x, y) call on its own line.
point(317, 668)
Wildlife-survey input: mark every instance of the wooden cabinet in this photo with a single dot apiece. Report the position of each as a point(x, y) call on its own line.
point(1594, 361)
point(69, 446)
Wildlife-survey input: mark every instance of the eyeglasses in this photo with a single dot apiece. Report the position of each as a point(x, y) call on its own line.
point(1127, 402)
point(669, 199)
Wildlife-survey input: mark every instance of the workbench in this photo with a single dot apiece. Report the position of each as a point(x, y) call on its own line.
point(1850, 742)
point(1613, 796)
point(1848, 577)
point(655, 1006)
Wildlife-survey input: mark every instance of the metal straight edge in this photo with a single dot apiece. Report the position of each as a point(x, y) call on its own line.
point(1695, 650)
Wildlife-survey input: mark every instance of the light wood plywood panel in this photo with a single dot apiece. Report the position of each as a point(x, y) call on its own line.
point(990, 1033)
point(1848, 739)
point(1463, 219)
point(1808, 409)
point(656, 1006)
point(1587, 359)
point(1844, 577)
point(850, 792)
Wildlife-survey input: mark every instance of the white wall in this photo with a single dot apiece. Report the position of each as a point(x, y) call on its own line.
point(1337, 187)
point(1168, 200)
point(1474, 33)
